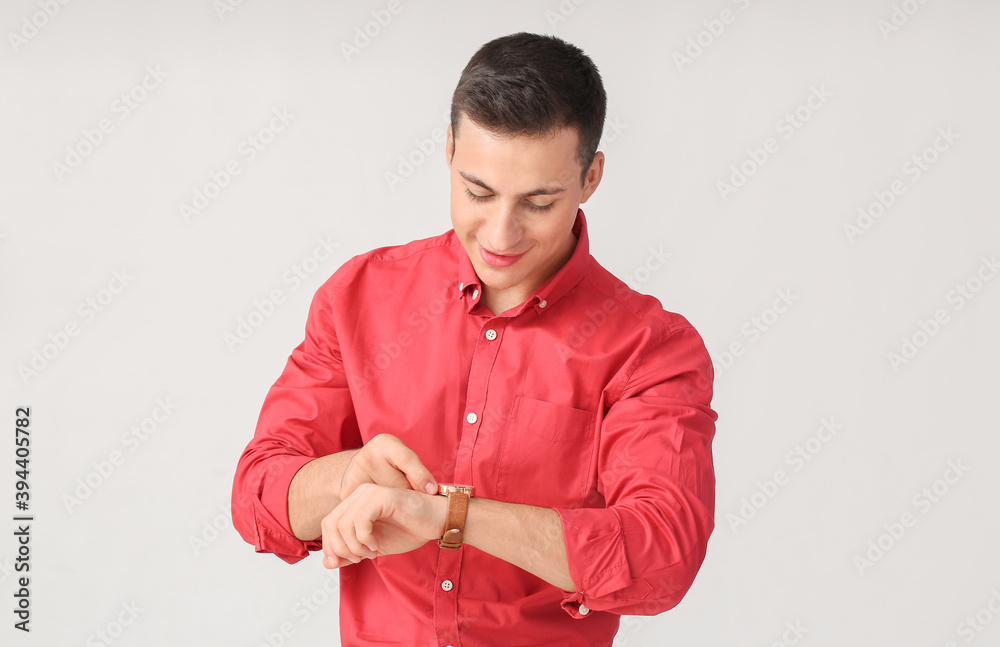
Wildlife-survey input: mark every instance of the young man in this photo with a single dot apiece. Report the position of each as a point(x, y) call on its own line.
point(565, 418)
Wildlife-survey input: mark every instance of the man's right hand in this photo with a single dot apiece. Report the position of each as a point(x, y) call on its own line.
point(385, 460)
point(324, 482)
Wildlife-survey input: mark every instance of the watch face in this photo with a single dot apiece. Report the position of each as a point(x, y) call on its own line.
point(445, 488)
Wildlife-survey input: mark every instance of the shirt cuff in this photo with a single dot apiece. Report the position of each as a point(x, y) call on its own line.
point(598, 564)
point(273, 531)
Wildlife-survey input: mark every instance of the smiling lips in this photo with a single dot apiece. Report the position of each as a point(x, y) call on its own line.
point(497, 260)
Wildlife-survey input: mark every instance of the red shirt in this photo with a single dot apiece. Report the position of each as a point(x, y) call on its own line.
point(588, 398)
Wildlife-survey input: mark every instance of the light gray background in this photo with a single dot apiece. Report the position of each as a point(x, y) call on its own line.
point(145, 536)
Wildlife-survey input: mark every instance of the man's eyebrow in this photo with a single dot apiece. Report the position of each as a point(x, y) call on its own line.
point(549, 190)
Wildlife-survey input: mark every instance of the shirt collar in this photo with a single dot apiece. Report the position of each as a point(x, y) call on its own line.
point(549, 292)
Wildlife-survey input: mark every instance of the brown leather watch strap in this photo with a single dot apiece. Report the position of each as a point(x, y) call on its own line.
point(454, 526)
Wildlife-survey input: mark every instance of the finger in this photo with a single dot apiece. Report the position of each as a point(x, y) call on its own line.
point(384, 473)
point(330, 559)
point(417, 475)
point(370, 465)
point(334, 546)
point(364, 529)
point(363, 507)
point(349, 533)
point(370, 505)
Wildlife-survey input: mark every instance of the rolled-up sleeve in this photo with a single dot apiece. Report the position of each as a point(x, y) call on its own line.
point(639, 553)
point(307, 414)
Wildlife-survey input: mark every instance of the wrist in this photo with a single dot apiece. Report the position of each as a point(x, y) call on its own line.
point(345, 458)
point(439, 515)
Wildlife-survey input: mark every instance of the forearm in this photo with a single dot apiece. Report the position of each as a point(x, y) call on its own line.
point(314, 492)
point(526, 536)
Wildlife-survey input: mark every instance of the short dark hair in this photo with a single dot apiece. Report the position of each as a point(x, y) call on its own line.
point(529, 85)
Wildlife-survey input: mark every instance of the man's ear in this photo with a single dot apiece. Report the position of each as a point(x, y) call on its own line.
point(594, 175)
point(449, 147)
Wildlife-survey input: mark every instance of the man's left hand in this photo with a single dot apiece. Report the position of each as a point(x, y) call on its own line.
point(376, 520)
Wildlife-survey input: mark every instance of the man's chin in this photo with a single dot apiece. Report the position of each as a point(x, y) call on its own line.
point(497, 278)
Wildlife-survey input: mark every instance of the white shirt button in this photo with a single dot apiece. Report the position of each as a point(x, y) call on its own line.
point(542, 303)
point(584, 610)
point(461, 286)
point(491, 334)
point(475, 293)
point(472, 418)
point(447, 585)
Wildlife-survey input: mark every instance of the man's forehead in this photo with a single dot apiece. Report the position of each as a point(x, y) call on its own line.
point(543, 162)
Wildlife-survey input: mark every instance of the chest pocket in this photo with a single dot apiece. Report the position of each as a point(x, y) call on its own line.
point(547, 454)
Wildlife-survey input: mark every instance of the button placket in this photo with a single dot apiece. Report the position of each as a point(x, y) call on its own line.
point(445, 595)
point(483, 359)
point(446, 621)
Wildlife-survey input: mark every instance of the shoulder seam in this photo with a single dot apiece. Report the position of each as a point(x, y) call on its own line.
point(360, 259)
point(416, 251)
point(617, 299)
point(669, 331)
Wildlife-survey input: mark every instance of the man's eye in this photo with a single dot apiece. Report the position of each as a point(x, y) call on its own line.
point(531, 205)
point(539, 207)
point(476, 198)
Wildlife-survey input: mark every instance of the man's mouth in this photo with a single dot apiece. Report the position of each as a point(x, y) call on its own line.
point(498, 260)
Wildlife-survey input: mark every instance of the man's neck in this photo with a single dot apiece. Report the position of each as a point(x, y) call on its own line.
point(502, 301)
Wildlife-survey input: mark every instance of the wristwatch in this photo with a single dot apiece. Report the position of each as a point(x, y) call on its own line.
point(458, 507)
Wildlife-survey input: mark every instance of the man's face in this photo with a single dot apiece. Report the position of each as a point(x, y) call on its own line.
point(513, 204)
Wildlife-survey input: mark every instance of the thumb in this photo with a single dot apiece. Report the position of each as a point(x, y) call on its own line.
point(418, 476)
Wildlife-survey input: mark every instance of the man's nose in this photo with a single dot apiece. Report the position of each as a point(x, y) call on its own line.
point(505, 230)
